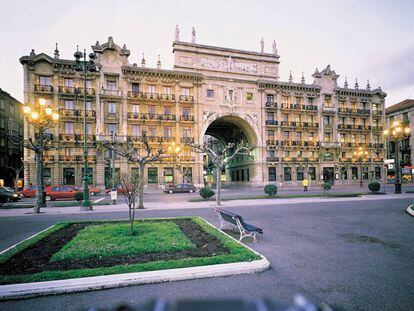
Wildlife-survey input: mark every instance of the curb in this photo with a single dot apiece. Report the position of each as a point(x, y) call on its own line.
point(410, 210)
point(35, 289)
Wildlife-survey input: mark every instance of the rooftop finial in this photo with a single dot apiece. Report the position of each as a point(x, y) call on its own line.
point(262, 45)
point(177, 33)
point(193, 35)
point(302, 80)
point(56, 51)
point(346, 83)
point(368, 85)
point(290, 76)
point(356, 83)
point(143, 61)
point(274, 48)
point(159, 62)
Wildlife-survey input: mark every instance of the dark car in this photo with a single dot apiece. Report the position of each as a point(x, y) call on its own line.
point(8, 195)
point(169, 188)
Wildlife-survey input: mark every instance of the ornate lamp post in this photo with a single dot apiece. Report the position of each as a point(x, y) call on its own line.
point(174, 150)
point(397, 133)
point(41, 117)
point(85, 66)
point(360, 155)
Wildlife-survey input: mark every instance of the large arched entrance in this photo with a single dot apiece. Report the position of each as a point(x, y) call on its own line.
point(222, 130)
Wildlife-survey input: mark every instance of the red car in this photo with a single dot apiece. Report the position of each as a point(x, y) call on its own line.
point(28, 191)
point(60, 192)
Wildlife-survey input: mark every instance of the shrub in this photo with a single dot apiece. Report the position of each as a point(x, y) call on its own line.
point(78, 196)
point(206, 193)
point(270, 190)
point(374, 186)
point(326, 186)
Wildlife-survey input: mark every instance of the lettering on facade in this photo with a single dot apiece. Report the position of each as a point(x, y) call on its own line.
point(227, 65)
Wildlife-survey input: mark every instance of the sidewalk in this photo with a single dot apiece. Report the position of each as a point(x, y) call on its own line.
point(191, 205)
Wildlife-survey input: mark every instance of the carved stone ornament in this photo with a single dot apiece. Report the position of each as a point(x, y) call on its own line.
point(151, 80)
point(207, 115)
point(230, 95)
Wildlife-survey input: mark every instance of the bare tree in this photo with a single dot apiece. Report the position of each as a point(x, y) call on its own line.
point(220, 158)
point(16, 171)
point(183, 170)
point(130, 151)
point(131, 183)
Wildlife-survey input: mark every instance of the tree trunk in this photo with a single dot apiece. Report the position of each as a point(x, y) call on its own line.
point(16, 181)
point(141, 187)
point(218, 185)
point(132, 217)
point(39, 181)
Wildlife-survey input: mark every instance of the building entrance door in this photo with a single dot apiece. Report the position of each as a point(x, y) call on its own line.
point(328, 175)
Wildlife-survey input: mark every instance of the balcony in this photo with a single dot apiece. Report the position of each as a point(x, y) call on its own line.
point(187, 140)
point(377, 128)
point(41, 88)
point(287, 123)
point(288, 160)
point(49, 158)
point(272, 122)
point(134, 138)
point(349, 160)
point(67, 90)
point(186, 99)
point(311, 160)
point(330, 144)
point(272, 159)
point(166, 117)
point(89, 137)
point(112, 115)
point(342, 111)
point(311, 144)
point(328, 109)
point(135, 116)
point(377, 113)
point(135, 95)
point(311, 108)
point(167, 97)
point(271, 105)
point(151, 96)
point(364, 112)
point(68, 158)
point(90, 114)
point(377, 145)
point(272, 142)
point(187, 118)
point(67, 137)
point(111, 93)
point(167, 139)
point(378, 160)
point(68, 113)
point(187, 159)
point(90, 92)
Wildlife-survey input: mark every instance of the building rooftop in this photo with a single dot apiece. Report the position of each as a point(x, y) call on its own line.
point(405, 104)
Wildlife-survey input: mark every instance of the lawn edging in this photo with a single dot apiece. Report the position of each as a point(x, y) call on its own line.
point(34, 289)
point(410, 210)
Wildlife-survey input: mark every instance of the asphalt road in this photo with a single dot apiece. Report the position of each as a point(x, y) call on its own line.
point(352, 256)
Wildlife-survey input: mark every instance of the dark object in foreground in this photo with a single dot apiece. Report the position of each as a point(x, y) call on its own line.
point(234, 219)
point(8, 195)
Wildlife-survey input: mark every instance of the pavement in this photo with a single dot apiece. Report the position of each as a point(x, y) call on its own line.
point(352, 254)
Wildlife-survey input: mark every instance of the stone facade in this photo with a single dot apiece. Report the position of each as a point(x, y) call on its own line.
point(296, 129)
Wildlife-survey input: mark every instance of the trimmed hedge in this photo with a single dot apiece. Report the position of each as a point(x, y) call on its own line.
point(270, 190)
point(78, 196)
point(326, 186)
point(206, 193)
point(374, 186)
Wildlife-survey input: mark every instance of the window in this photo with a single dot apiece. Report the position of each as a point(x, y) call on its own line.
point(88, 84)
point(365, 173)
point(44, 80)
point(270, 135)
point(1, 104)
point(167, 131)
point(271, 153)
point(188, 175)
point(297, 118)
point(287, 174)
point(135, 130)
point(354, 172)
point(68, 82)
point(167, 110)
point(151, 109)
point(68, 128)
point(298, 100)
point(299, 174)
point(135, 109)
point(375, 107)
point(270, 116)
point(353, 139)
point(151, 131)
point(405, 117)
point(88, 106)
point(310, 101)
point(326, 120)
point(152, 175)
point(47, 175)
point(344, 173)
point(185, 91)
point(312, 173)
point(285, 135)
point(210, 93)
point(270, 98)
point(186, 132)
point(327, 137)
point(186, 112)
point(167, 90)
point(377, 172)
point(298, 136)
point(327, 101)
point(168, 174)
point(151, 89)
point(68, 176)
point(135, 87)
point(272, 173)
point(112, 128)
point(2, 142)
point(285, 101)
point(111, 83)
point(68, 104)
point(363, 139)
point(341, 137)
point(89, 129)
point(111, 107)
point(249, 96)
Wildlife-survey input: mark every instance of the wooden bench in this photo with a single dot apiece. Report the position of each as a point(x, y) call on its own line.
point(236, 220)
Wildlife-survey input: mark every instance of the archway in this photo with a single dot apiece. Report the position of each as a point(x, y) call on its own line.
point(230, 129)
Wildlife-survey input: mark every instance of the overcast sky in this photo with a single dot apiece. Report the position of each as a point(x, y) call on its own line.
point(360, 39)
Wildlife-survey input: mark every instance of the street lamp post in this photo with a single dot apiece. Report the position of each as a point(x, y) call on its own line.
point(174, 150)
point(397, 133)
point(359, 155)
point(114, 190)
point(85, 66)
point(41, 117)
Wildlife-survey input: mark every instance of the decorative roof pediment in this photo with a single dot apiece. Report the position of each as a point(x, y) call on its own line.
point(110, 45)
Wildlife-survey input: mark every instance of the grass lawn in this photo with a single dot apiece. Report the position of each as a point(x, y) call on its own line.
point(105, 247)
point(115, 240)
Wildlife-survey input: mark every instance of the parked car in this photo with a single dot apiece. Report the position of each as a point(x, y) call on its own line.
point(28, 191)
point(169, 188)
point(93, 190)
point(61, 192)
point(8, 195)
point(119, 190)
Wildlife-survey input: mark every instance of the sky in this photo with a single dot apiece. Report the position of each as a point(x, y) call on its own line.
point(360, 39)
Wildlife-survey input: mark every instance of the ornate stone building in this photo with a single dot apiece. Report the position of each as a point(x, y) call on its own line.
point(297, 129)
